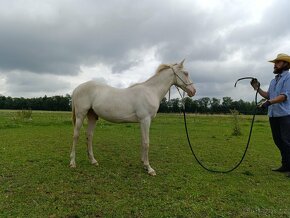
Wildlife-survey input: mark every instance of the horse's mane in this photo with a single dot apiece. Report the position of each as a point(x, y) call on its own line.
point(162, 67)
point(158, 70)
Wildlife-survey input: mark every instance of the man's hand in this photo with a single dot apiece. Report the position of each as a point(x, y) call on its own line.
point(264, 104)
point(255, 84)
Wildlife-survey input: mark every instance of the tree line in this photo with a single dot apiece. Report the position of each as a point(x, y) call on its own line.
point(54, 103)
point(208, 105)
point(203, 105)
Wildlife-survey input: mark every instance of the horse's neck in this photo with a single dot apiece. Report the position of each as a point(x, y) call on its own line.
point(160, 83)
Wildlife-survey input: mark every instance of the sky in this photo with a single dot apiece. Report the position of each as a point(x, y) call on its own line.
point(49, 47)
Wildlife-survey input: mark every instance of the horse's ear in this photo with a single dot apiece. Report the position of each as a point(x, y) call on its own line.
point(181, 63)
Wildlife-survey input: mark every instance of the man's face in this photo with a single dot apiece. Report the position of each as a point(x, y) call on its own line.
point(278, 67)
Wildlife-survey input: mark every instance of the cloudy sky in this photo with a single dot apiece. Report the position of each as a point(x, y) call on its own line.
point(49, 47)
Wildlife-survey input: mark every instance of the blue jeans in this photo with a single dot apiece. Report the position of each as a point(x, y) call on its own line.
point(280, 127)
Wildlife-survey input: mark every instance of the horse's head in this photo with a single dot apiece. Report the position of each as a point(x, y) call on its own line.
point(182, 79)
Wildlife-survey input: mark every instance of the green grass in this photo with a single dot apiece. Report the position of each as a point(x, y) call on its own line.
point(36, 181)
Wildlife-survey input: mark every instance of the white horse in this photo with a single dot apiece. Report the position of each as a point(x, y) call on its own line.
point(137, 103)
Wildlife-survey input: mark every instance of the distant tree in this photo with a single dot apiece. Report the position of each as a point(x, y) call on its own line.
point(163, 107)
point(215, 106)
point(227, 104)
point(190, 105)
point(2, 102)
point(203, 105)
point(174, 105)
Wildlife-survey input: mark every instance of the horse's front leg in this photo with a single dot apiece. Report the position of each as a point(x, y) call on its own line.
point(145, 126)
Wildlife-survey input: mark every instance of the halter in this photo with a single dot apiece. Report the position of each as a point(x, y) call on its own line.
point(187, 84)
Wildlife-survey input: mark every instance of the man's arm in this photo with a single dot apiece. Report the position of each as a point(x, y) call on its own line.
point(278, 99)
point(263, 93)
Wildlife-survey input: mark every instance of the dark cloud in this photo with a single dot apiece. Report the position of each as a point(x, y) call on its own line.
point(70, 35)
point(219, 40)
point(27, 84)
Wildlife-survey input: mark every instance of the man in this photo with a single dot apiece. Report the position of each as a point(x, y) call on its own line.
point(278, 105)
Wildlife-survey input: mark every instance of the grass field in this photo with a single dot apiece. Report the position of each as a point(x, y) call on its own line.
point(36, 181)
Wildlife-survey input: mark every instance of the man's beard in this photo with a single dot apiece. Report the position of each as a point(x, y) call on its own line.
point(281, 69)
point(278, 70)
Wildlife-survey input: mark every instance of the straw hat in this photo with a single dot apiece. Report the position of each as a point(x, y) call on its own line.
point(281, 57)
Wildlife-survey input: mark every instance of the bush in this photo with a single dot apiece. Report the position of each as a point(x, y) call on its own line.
point(23, 115)
point(236, 125)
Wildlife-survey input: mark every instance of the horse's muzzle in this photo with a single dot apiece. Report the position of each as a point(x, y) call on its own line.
point(190, 90)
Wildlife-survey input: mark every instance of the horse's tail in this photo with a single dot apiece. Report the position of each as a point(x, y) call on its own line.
point(73, 113)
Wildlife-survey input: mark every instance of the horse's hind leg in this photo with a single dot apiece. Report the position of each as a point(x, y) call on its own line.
point(92, 118)
point(145, 126)
point(77, 127)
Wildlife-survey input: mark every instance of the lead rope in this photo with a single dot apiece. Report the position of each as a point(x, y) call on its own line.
point(249, 137)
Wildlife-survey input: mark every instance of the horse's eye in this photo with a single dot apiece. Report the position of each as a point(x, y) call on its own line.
point(185, 73)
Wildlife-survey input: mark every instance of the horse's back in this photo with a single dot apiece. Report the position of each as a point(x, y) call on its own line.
point(87, 86)
point(103, 99)
point(84, 94)
point(87, 89)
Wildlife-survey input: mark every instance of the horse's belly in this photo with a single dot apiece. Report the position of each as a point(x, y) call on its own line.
point(117, 116)
point(120, 119)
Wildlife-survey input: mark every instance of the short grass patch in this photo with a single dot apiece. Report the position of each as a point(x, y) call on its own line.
point(37, 182)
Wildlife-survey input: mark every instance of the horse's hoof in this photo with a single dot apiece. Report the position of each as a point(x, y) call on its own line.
point(95, 163)
point(152, 172)
point(72, 165)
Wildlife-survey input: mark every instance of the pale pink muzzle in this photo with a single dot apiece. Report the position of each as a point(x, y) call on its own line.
point(190, 90)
